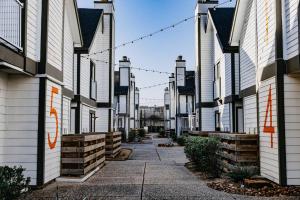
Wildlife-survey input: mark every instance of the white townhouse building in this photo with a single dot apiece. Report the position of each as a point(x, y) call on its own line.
point(182, 98)
point(220, 76)
point(167, 102)
point(126, 99)
point(267, 87)
point(267, 32)
point(37, 40)
point(50, 84)
point(105, 70)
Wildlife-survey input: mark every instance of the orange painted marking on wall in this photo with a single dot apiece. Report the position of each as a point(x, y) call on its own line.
point(269, 129)
point(267, 21)
point(52, 144)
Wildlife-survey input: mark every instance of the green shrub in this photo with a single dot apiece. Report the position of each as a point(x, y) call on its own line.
point(203, 151)
point(239, 174)
point(12, 182)
point(173, 135)
point(142, 132)
point(131, 136)
point(181, 140)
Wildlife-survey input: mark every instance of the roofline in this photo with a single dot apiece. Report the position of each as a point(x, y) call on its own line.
point(78, 21)
point(234, 20)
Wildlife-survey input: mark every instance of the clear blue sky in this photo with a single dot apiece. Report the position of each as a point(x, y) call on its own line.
point(135, 18)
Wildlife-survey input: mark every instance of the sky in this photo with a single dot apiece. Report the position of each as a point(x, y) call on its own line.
point(135, 18)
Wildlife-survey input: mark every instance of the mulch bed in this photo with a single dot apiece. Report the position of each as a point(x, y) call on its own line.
point(166, 145)
point(224, 184)
point(236, 188)
point(123, 155)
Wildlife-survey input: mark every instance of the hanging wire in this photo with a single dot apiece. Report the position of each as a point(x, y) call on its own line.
point(143, 37)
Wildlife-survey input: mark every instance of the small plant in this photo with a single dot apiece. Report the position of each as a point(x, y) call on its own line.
point(131, 136)
point(203, 151)
point(142, 133)
point(181, 140)
point(173, 135)
point(239, 174)
point(12, 182)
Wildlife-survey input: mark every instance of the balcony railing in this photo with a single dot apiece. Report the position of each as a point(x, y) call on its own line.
point(94, 90)
point(11, 23)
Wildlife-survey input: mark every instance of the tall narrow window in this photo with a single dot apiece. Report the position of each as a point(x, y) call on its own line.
point(92, 81)
point(217, 81)
point(92, 121)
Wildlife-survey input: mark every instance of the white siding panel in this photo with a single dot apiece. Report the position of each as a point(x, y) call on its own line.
point(102, 120)
point(266, 27)
point(228, 73)
point(208, 119)
point(250, 114)
point(292, 126)
point(123, 104)
point(18, 138)
point(33, 29)
point(55, 40)
point(66, 115)
point(85, 77)
point(248, 49)
point(269, 155)
point(226, 117)
point(182, 102)
point(68, 54)
point(52, 153)
point(291, 28)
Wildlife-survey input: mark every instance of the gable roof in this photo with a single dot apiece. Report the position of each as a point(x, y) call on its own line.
point(189, 88)
point(222, 19)
point(89, 20)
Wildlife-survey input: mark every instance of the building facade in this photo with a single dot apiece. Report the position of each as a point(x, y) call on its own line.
point(126, 98)
point(180, 96)
point(267, 63)
point(48, 79)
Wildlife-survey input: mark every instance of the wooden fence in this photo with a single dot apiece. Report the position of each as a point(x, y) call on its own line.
point(237, 150)
point(113, 144)
point(80, 154)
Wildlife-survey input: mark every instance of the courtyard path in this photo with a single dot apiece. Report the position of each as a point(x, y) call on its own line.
point(150, 173)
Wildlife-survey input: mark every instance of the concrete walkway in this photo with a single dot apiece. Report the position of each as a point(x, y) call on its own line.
point(151, 173)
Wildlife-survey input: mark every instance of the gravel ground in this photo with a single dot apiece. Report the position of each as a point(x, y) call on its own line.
point(150, 173)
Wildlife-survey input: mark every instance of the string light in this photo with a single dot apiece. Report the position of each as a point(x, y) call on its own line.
point(143, 37)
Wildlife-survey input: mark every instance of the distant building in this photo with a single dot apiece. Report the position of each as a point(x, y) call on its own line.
point(126, 99)
point(180, 99)
point(152, 117)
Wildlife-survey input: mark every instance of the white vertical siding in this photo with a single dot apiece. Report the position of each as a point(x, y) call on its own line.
point(292, 128)
point(33, 26)
point(237, 73)
point(52, 155)
point(266, 28)
point(182, 103)
point(68, 54)
point(18, 138)
point(85, 76)
point(55, 40)
point(85, 118)
point(228, 74)
point(180, 76)
point(3, 89)
point(268, 156)
point(102, 120)
point(250, 114)
point(208, 122)
point(123, 104)
point(66, 115)
point(124, 76)
point(248, 49)
point(226, 117)
point(207, 62)
point(290, 22)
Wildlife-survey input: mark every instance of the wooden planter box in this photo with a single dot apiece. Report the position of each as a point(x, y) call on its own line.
point(237, 150)
point(80, 154)
point(113, 144)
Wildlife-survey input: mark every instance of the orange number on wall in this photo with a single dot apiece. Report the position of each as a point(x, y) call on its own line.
point(53, 112)
point(269, 129)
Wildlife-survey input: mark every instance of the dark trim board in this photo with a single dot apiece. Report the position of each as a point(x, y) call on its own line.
point(199, 72)
point(41, 133)
point(110, 70)
point(11, 57)
point(293, 65)
point(250, 91)
point(209, 104)
point(67, 93)
point(268, 72)
point(54, 72)
point(84, 100)
point(280, 69)
point(103, 105)
point(231, 99)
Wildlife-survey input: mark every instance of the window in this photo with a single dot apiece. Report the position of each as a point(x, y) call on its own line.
point(92, 121)
point(217, 81)
point(92, 81)
point(218, 121)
